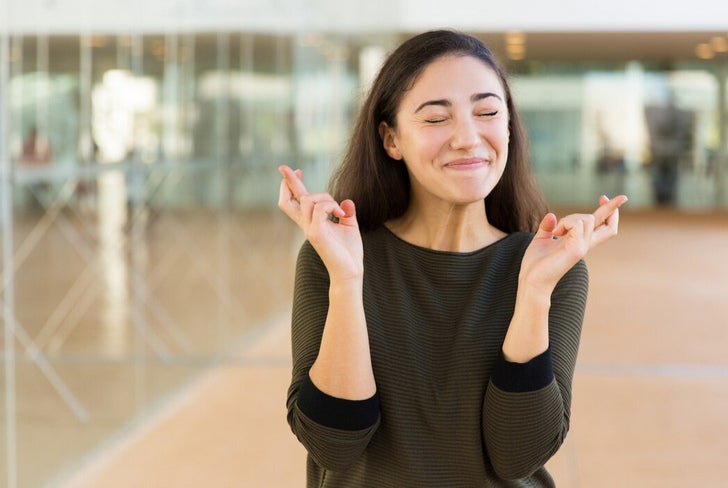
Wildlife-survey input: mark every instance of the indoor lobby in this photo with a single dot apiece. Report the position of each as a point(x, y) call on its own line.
point(147, 275)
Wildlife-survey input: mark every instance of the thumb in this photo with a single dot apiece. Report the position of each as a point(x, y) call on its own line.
point(349, 216)
point(547, 226)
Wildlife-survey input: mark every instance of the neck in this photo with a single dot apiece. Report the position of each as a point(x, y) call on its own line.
point(454, 228)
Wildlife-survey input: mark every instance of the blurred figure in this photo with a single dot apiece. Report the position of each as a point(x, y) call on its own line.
point(610, 162)
point(671, 134)
point(36, 149)
point(36, 153)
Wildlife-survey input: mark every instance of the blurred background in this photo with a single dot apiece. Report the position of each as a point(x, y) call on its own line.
point(146, 269)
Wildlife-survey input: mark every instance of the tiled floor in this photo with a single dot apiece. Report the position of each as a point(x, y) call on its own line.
point(650, 393)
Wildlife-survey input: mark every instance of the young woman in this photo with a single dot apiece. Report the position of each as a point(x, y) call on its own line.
point(437, 306)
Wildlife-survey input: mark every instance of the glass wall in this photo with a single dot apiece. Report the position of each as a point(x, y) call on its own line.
point(632, 127)
point(141, 243)
point(140, 239)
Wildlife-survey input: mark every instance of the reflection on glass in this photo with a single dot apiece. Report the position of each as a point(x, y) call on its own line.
point(111, 221)
point(120, 102)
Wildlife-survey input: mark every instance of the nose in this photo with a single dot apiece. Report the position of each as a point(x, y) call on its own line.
point(465, 134)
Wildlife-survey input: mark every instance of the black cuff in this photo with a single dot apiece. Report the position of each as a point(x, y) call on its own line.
point(337, 413)
point(522, 377)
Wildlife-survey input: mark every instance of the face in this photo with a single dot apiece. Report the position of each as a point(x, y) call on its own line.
point(451, 132)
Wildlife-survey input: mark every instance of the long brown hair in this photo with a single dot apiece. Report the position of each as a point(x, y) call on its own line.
point(380, 186)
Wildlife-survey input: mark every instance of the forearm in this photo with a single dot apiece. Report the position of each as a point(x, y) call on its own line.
point(343, 367)
point(523, 429)
point(528, 331)
point(528, 403)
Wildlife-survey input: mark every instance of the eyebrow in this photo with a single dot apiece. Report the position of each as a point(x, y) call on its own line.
point(446, 103)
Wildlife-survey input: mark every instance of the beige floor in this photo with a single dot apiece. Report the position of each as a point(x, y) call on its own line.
point(651, 387)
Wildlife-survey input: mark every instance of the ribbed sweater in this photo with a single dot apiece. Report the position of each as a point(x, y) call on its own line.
point(449, 410)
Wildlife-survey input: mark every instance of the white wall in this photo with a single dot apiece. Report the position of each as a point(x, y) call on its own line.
point(568, 15)
point(356, 15)
point(156, 15)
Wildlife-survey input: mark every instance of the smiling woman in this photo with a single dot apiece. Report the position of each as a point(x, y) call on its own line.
point(437, 315)
point(451, 132)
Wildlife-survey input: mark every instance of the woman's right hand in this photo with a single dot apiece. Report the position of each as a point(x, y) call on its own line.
point(330, 227)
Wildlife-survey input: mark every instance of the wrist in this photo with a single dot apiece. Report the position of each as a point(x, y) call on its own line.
point(346, 286)
point(535, 290)
point(527, 335)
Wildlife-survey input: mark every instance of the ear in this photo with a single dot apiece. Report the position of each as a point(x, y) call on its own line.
point(390, 145)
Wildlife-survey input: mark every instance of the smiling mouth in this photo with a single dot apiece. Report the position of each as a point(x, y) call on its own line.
point(469, 163)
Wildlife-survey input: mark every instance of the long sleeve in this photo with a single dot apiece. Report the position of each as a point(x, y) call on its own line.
point(334, 431)
point(527, 406)
point(449, 410)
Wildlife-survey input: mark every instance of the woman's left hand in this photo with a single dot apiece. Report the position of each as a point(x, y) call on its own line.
point(560, 244)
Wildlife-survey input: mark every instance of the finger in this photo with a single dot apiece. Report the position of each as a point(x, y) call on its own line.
point(547, 226)
point(323, 214)
point(609, 226)
point(294, 181)
point(323, 210)
point(311, 199)
point(287, 203)
point(347, 216)
point(607, 230)
point(574, 222)
point(607, 208)
point(311, 202)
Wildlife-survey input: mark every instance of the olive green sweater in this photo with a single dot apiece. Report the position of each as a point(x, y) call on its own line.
point(449, 410)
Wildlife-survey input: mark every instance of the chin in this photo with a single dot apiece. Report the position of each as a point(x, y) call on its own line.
point(471, 199)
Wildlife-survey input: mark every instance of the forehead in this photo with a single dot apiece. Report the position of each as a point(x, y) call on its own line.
point(454, 76)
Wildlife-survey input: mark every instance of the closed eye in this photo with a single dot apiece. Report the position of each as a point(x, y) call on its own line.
point(488, 114)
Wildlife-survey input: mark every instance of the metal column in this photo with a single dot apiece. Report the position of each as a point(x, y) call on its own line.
point(8, 285)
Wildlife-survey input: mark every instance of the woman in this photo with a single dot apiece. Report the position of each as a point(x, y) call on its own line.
point(437, 311)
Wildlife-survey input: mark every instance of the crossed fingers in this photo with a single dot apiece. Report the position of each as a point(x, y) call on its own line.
point(298, 204)
point(591, 229)
point(606, 218)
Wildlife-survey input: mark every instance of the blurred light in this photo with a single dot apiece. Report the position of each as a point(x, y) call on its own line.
point(515, 37)
point(515, 45)
point(94, 41)
point(719, 44)
point(704, 51)
point(371, 59)
point(516, 52)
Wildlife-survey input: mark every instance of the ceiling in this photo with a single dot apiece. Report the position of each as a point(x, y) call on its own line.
point(663, 47)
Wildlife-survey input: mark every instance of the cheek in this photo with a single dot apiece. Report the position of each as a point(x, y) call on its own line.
point(422, 144)
point(501, 138)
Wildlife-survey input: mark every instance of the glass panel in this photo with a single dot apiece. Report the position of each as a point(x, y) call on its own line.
point(651, 134)
point(136, 192)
